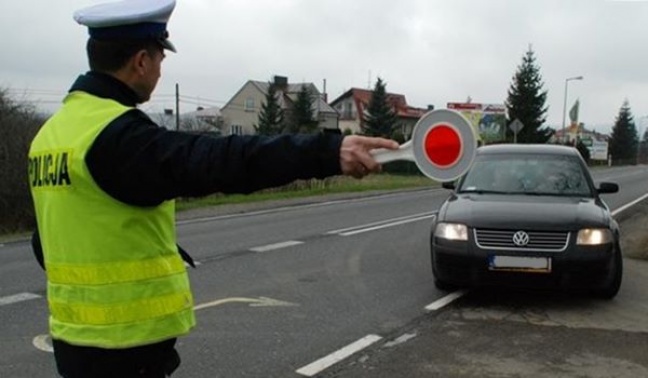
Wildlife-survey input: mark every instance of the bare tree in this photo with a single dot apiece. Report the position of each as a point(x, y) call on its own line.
point(19, 123)
point(202, 125)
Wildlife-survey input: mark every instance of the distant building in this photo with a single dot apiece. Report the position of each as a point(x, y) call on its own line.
point(575, 132)
point(203, 120)
point(241, 112)
point(352, 106)
point(200, 120)
point(596, 143)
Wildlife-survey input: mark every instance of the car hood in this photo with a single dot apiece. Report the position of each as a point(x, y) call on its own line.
point(524, 212)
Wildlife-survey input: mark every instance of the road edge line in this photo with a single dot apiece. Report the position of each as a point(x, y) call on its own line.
point(628, 205)
point(442, 302)
point(337, 356)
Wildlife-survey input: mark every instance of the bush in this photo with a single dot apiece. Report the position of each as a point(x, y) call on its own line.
point(19, 123)
point(402, 167)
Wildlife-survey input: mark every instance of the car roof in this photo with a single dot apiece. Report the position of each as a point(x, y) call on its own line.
point(509, 148)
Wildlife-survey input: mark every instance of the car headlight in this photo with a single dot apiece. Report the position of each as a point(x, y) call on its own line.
point(594, 236)
point(451, 231)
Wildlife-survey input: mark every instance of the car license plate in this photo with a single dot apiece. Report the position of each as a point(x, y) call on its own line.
point(520, 263)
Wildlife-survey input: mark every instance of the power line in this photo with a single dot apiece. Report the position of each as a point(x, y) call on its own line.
point(62, 93)
point(48, 97)
point(203, 99)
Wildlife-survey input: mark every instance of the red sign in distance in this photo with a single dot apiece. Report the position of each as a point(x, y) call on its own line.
point(443, 145)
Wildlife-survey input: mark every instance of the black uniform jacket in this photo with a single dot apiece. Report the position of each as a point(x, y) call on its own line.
point(139, 163)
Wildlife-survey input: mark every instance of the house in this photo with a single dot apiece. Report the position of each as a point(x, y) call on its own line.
point(596, 143)
point(576, 132)
point(241, 113)
point(352, 106)
point(201, 120)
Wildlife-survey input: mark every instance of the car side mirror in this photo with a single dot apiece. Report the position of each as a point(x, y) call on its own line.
point(448, 185)
point(607, 187)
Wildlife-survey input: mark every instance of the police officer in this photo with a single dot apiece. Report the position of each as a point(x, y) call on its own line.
point(103, 178)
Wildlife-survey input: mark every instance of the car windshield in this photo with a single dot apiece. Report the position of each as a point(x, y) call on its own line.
point(527, 174)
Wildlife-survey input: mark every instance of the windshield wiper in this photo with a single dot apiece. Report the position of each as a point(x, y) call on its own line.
point(484, 191)
point(544, 194)
point(554, 194)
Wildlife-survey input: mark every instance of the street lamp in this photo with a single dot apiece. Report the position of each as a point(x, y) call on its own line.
point(565, 103)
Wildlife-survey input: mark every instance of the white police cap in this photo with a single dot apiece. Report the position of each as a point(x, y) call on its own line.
point(129, 19)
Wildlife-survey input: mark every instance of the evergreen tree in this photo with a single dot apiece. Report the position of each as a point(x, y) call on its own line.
point(271, 117)
point(380, 119)
point(624, 141)
point(526, 102)
point(584, 151)
point(301, 120)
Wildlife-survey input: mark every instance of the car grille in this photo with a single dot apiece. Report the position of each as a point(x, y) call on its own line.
point(548, 241)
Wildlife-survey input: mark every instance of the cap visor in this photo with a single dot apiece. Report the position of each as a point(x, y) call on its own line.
point(167, 45)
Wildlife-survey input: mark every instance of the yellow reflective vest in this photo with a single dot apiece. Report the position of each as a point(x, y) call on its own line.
point(114, 275)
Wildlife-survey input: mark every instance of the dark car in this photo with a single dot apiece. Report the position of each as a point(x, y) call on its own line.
point(527, 216)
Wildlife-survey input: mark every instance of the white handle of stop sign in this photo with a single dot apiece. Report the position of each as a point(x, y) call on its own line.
point(404, 152)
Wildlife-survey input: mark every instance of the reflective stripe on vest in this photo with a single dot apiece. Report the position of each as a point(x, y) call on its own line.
point(115, 278)
point(113, 272)
point(96, 312)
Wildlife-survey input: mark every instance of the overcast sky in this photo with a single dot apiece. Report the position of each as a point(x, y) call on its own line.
point(431, 51)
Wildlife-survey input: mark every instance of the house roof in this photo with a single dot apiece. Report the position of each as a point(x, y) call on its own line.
point(292, 90)
point(204, 112)
point(580, 129)
point(362, 97)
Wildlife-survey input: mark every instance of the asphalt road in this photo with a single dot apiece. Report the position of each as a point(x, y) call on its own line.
point(281, 289)
point(514, 334)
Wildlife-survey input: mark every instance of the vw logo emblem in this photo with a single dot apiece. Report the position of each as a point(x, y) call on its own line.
point(520, 238)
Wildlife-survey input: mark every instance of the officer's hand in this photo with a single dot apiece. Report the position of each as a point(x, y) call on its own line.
point(355, 159)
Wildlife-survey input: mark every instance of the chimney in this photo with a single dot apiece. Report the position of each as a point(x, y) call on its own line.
point(280, 81)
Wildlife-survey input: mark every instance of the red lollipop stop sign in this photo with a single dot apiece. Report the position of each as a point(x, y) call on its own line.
point(443, 146)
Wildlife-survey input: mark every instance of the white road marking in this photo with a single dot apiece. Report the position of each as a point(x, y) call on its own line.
point(270, 247)
point(440, 303)
point(254, 302)
point(400, 340)
point(44, 343)
point(382, 222)
point(628, 205)
point(18, 298)
point(337, 356)
point(380, 225)
point(385, 225)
